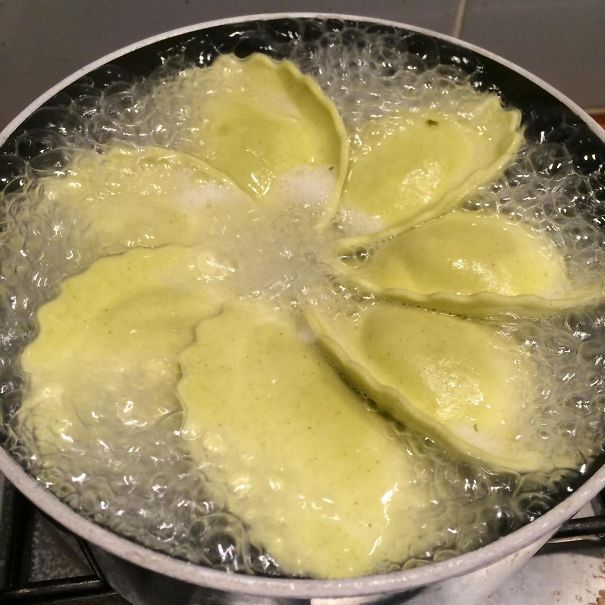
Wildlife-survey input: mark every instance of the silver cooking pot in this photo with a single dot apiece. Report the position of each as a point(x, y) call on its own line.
point(145, 577)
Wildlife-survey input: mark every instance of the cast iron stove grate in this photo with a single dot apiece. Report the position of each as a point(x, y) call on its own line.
point(25, 532)
point(42, 563)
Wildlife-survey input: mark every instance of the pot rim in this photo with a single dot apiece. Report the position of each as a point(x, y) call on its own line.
point(399, 581)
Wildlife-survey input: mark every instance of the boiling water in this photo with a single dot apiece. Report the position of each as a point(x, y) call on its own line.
point(140, 481)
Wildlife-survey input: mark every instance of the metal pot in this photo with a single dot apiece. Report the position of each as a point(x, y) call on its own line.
point(146, 577)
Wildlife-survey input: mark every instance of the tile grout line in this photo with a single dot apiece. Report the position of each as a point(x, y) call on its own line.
point(459, 19)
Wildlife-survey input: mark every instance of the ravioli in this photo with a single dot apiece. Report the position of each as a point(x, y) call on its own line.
point(320, 478)
point(265, 124)
point(144, 196)
point(107, 346)
point(417, 164)
point(470, 263)
point(452, 378)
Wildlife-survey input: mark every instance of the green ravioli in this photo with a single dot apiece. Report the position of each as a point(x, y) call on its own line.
point(417, 164)
point(470, 263)
point(265, 124)
point(107, 345)
point(320, 478)
point(143, 196)
point(454, 379)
